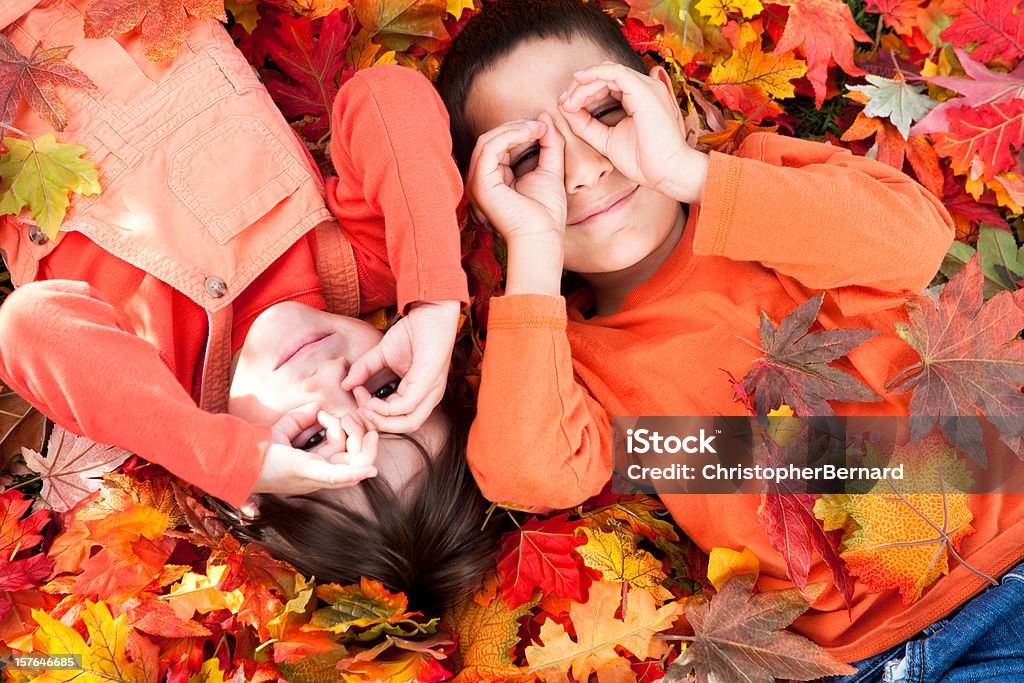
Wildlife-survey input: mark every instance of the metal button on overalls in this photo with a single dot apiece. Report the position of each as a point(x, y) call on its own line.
point(36, 235)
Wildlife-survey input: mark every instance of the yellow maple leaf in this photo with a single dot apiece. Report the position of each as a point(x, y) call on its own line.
point(725, 563)
point(903, 539)
point(831, 509)
point(745, 81)
point(42, 174)
point(615, 554)
point(244, 13)
point(457, 7)
point(487, 634)
point(199, 593)
point(105, 658)
point(717, 10)
point(598, 633)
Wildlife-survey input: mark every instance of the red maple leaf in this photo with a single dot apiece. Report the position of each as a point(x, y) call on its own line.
point(826, 30)
point(540, 554)
point(35, 78)
point(641, 37)
point(995, 25)
point(162, 22)
point(794, 531)
point(967, 211)
point(794, 369)
point(313, 63)
point(971, 360)
point(984, 136)
point(899, 15)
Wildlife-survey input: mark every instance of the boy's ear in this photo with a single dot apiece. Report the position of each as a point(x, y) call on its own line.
point(659, 73)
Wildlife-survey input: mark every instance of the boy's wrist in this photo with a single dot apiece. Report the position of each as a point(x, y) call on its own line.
point(686, 180)
point(535, 265)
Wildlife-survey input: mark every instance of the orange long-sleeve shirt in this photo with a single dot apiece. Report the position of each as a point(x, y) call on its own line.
point(779, 222)
point(67, 351)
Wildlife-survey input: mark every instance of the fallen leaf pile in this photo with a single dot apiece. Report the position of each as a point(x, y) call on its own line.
point(110, 559)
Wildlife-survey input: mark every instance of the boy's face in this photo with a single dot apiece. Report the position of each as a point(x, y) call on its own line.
point(598, 238)
point(294, 355)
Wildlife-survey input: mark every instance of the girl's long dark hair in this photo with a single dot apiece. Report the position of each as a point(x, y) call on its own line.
point(428, 541)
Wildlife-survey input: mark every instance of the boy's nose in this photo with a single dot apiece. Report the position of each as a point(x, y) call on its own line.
point(584, 165)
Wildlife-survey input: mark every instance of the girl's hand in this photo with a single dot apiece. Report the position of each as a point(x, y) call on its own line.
point(418, 348)
point(634, 120)
point(516, 180)
point(290, 471)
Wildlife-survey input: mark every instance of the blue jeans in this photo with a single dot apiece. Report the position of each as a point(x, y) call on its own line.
point(982, 641)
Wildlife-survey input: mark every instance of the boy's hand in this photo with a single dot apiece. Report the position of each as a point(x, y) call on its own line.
point(532, 205)
point(648, 142)
point(289, 471)
point(418, 348)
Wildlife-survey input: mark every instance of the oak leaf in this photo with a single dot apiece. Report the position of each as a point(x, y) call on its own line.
point(826, 30)
point(750, 77)
point(639, 512)
point(35, 78)
point(487, 636)
point(398, 24)
point(599, 633)
point(994, 25)
point(971, 360)
point(615, 554)
point(161, 22)
point(739, 636)
point(794, 369)
point(981, 140)
point(895, 99)
point(41, 174)
point(903, 540)
point(315, 64)
point(541, 553)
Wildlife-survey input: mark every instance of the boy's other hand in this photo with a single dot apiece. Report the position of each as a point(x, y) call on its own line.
point(289, 471)
point(646, 141)
point(418, 348)
point(530, 205)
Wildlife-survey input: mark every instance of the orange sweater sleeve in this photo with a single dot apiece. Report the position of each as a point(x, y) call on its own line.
point(826, 218)
point(397, 188)
point(539, 439)
point(114, 387)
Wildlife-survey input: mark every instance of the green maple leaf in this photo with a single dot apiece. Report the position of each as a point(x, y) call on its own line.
point(41, 174)
point(901, 102)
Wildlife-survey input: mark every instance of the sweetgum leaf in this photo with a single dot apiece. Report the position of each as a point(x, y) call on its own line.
point(739, 636)
point(896, 99)
point(971, 360)
point(995, 25)
point(794, 369)
point(984, 137)
point(35, 78)
point(162, 22)
point(826, 30)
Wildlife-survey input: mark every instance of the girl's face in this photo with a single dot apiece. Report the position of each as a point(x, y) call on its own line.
point(295, 355)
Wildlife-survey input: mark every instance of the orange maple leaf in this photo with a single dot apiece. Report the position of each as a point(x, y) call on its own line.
point(598, 633)
point(728, 141)
point(33, 78)
point(487, 635)
point(826, 30)
point(893, 149)
point(162, 22)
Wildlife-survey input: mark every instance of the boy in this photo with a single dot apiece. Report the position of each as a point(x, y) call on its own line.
point(578, 158)
point(122, 328)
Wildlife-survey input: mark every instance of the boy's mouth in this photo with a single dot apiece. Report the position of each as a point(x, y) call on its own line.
point(604, 207)
point(300, 343)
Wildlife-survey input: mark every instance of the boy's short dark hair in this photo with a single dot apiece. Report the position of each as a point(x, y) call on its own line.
point(430, 543)
point(498, 30)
